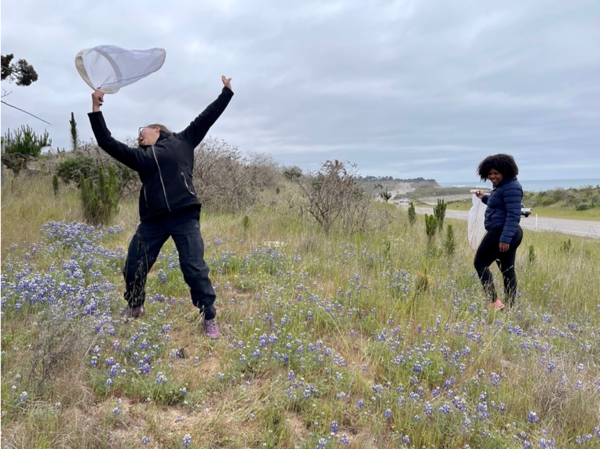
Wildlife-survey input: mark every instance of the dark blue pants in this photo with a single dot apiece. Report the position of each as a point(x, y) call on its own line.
point(487, 253)
point(184, 227)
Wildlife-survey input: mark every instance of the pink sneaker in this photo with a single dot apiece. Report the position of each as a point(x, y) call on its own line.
point(498, 305)
point(211, 328)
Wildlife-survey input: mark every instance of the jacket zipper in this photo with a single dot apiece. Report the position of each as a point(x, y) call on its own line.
point(161, 179)
point(186, 184)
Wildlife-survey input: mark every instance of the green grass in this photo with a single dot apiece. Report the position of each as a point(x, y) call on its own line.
point(310, 327)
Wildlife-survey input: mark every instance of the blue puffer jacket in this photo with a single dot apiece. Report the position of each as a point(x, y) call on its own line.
point(504, 208)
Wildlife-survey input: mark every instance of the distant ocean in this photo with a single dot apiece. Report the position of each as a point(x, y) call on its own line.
point(532, 186)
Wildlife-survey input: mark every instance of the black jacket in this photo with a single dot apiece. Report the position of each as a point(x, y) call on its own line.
point(165, 168)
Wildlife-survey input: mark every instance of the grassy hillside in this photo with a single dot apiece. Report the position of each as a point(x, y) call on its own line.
point(381, 339)
point(577, 204)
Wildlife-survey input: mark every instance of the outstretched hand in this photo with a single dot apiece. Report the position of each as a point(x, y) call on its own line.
point(226, 81)
point(97, 100)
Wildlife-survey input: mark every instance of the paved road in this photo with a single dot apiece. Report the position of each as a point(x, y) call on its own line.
point(572, 227)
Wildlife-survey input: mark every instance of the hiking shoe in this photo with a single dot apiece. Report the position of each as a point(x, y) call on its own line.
point(498, 305)
point(132, 312)
point(211, 328)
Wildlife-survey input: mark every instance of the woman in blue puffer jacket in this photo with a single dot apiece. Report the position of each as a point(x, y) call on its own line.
point(502, 217)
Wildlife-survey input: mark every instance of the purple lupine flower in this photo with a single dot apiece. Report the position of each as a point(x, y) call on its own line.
point(547, 444)
point(388, 413)
point(187, 440)
point(333, 427)
point(533, 418)
point(445, 409)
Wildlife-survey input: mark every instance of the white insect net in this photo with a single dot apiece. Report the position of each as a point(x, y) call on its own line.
point(109, 67)
point(476, 227)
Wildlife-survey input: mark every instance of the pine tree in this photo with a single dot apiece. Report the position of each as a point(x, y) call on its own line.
point(55, 185)
point(440, 212)
point(100, 202)
point(412, 215)
point(74, 134)
point(449, 242)
point(431, 226)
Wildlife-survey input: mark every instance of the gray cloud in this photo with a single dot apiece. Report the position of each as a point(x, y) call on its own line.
point(402, 88)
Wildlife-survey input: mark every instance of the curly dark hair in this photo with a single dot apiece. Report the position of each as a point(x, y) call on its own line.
point(504, 163)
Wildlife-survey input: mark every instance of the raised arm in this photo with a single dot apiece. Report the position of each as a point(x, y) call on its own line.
point(196, 131)
point(113, 147)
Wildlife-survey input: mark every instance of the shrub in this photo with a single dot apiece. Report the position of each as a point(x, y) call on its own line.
point(55, 185)
point(61, 340)
point(531, 254)
point(440, 212)
point(546, 201)
point(26, 141)
point(225, 181)
point(412, 215)
point(385, 196)
point(583, 206)
point(431, 226)
point(449, 241)
point(334, 194)
point(100, 201)
point(86, 161)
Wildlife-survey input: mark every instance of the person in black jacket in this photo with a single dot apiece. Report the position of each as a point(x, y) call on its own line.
point(502, 217)
point(168, 204)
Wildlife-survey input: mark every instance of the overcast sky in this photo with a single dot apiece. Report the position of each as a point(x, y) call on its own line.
point(402, 88)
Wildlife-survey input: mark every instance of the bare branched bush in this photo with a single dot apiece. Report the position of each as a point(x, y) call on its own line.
point(334, 194)
point(61, 339)
point(227, 182)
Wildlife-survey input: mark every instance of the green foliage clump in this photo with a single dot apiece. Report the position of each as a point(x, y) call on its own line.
point(412, 215)
point(545, 201)
point(55, 184)
point(449, 241)
point(26, 141)
point(21, 71)
point(431, 226)
point(583, 206)
point(440, 212)
point(385, 195)
point(566, 247)
point(246, 222)
point(74, 168)
point(74, 133)
point(531, 254)
point(100, 201)
point(292, 173)
point(81, 163)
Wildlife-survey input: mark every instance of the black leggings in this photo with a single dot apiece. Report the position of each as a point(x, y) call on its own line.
point(487, 253)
